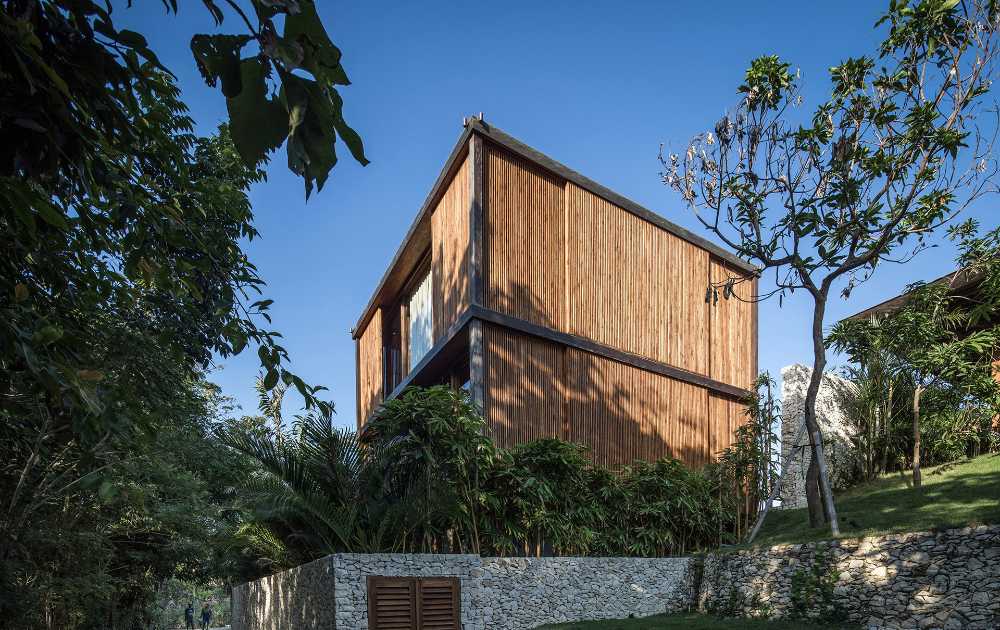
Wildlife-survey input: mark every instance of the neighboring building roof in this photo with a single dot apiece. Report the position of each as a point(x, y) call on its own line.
point(960, 280)
point(501, 138)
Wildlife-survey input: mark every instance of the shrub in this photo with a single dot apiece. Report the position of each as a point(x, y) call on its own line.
point(425, 477)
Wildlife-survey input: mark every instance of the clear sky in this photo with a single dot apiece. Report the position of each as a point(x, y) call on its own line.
point(595, 85)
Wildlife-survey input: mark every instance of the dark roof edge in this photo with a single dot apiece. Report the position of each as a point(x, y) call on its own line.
point(474, 125)
point(563, 171)
point(425, 209)
point(897, 302)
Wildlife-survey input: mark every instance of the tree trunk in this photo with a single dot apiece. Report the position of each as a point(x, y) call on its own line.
point(886, 420)
point(916, 435)
point(819, 494)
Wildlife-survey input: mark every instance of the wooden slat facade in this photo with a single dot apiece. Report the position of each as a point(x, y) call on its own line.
point(732, 341)
point(537, 389)
point(536, 407)
point(450, 252)
point(593, 314)
point(634, 286)
point(370, 371)
point(524, 240)
point(625, 413)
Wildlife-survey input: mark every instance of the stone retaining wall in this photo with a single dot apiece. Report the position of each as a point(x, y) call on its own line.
point(297, 598)
point(529, 592)
point(944, 580)
point(497, 593)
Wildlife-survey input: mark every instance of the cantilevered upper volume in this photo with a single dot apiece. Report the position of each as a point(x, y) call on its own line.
point(564, 308)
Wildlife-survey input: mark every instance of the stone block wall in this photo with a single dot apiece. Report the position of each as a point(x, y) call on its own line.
point(946, 580)
point(497, 593)
point(297, 598)
point(832, 405)
point(528, 592)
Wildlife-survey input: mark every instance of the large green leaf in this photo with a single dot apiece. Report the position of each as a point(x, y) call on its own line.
point(218, 58)
point(320, 57)
point(258, 123)
point(350, 137)
point(311, 135)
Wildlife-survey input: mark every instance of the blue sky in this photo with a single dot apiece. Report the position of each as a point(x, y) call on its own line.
point(595, 85)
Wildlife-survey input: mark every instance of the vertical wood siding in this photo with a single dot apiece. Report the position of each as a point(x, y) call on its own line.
point(725, 415)
point(450, 252)
point(732, 346)
point(624, 413)
point(524, 223)
point(560, 256)
point(538, 389)
point(634, 286)
point(370, 392)
point(524, 386)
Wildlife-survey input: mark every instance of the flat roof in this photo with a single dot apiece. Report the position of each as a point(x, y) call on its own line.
point(499, 137)
point(960, 280)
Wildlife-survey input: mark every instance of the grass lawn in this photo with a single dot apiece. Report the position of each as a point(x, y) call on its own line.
point(958, 494)
point(691, 621)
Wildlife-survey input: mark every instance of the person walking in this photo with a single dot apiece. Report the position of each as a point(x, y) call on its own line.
point(189, 617)
point(206, 616)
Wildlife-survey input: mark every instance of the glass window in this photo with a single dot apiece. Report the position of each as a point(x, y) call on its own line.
point(421, 324)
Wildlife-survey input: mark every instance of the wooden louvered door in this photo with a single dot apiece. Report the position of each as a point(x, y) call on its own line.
point(407, 603)
point(438, 604)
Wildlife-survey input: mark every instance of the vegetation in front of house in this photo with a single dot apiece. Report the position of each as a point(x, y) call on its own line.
point(954, 494)
point(424, 477)
point(822, 199)
point(695, 621)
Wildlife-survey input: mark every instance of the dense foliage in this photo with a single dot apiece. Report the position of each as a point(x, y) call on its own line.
point(924, 374)
point(822, 199)
point(423, 477)
point(123, 276)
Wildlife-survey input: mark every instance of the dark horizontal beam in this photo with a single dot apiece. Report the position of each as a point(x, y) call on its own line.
point(587, 345)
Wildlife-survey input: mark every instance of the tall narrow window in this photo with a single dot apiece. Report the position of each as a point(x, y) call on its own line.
point(421, 320)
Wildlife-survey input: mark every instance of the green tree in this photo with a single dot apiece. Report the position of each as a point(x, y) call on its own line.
point(824, 199)
point(880, 384)
point(435, 452)
point(123, 276)
point(940, 336)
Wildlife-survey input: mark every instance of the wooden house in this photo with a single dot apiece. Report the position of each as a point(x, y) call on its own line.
point(566, 310)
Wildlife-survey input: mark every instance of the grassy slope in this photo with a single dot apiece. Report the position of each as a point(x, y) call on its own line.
point(688, 622)
point(953, 495)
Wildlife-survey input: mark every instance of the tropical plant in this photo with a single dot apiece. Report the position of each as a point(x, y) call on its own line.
point(435, 454)
point(877, 407)
point(823, 200)
point(939, 340)
point(314, 493)
point(747, 471)
point(539, 500)
point(424, 477)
